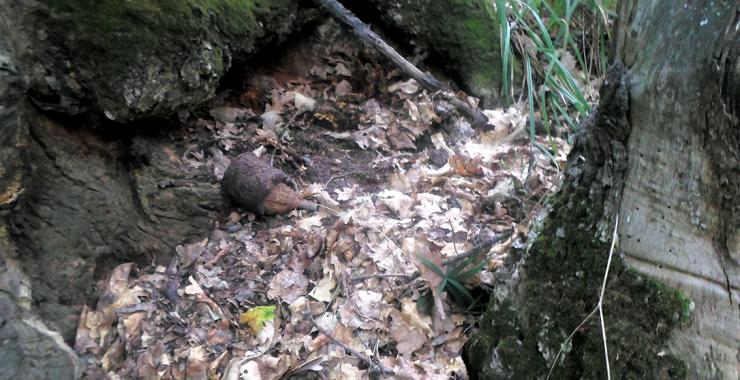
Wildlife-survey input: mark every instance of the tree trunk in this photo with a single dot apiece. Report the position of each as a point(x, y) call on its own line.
point(663, 152)
point(681, 201)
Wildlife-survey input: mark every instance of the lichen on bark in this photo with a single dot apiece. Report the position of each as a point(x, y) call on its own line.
point(562, 271)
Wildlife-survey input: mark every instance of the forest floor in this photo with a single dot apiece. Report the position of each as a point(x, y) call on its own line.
point(404, 183)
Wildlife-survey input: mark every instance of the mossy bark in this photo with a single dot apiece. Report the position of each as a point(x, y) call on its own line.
point(132, 59)
point(80, 194)
point(522, 331)
point(662, 152)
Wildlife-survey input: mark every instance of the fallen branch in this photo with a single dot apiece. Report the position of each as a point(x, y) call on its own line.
point(478, 249)
point(363, 32)
point(383, 275)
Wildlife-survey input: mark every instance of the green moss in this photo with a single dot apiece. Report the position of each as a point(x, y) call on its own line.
point(565, 269)
point(469, 37)
point(464, 35)
point(144, 57)
point(687, 306)
point(142, 25)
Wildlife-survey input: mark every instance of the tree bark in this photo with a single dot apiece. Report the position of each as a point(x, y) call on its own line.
point(80, 193)
point(681, 202)
point(662, 151)
point(29, 349)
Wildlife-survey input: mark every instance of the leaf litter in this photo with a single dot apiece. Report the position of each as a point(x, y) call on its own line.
point(403, 185)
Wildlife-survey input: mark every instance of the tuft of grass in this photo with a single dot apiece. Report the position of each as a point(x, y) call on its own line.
point(545, 33)
point(453, 282)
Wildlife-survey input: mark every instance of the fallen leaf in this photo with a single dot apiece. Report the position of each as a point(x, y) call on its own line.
point(408, 87)
point(288, 286)
point(194, 288)
point(364, 309)
point(466, 166)
point(228, 114)
point(304, 103)
point(190, 252)
point(342, 88)
point(197, 363)
point(256, 317)
point(323, 289)
point(397, 202)
point(408, 338)
point(271, 120)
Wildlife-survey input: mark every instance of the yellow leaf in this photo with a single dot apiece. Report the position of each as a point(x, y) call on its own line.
point(256, 317)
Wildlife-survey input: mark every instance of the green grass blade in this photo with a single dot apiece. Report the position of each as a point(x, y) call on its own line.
point(506, 58)
point(434, 267)
point(462, 290)
point(530, 96)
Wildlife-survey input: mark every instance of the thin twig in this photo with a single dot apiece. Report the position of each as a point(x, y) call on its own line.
point(599, 308)
point(575, 330)
point(369, 362)
point(383, 275)
point(601, 299)
point(340, 176)
point(363, 32)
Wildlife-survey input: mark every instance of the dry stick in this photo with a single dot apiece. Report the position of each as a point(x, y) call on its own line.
point(363, 32)
point(338, 176)
point(382, 275)
point(599, 308)
point(386, 371)
point(478, 249)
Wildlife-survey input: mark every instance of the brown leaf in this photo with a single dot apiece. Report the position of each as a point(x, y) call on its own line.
point(408, 338)
point(399, 138)
point(418, 248)
point(197, 363)
point(466, 166)
point(220, 334)
point(189, 253)
point(114, 356)
point(288, 285)
point(133, 324)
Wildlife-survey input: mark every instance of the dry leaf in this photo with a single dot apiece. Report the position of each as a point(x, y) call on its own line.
point(408, 87)
point(466, 166)
point(408, 338)
point(257, 317)
point(323, 290)
point(288, 286)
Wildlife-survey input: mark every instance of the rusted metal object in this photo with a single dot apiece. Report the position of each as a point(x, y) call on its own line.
point(260, 188)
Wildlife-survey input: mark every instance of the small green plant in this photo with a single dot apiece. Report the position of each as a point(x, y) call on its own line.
point(453, 282)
